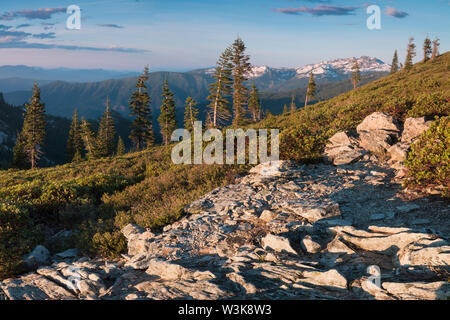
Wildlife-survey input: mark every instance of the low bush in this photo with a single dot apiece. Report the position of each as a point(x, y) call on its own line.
point(18, 235)
point(429, 159)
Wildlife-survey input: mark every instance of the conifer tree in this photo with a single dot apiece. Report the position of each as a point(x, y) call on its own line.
point(78, 157)
point(106, 135)
point(74, 141)
point(311, 90)
point(89, 140)
point(293, 106)
point(356, 74)
point(190, 113)
point(410, 54)
point(142, 128)
point(167, 118)
point(262, 114)
point(254, 105)
point(121, 150)
point(33, 131)
point(208, 121)
point(285, 109)
point(395, 66)
point(20, 159)
point(427, 50)
point(435, 52)
point(219, 108)
point(241, 67)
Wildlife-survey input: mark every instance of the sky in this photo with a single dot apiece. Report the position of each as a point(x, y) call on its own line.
point(189, 34)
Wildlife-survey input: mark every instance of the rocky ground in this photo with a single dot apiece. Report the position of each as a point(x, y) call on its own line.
point(344, 230)
point(282, 232)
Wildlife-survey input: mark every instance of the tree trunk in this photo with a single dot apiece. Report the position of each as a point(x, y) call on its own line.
point(33, 163)
point(216, 102)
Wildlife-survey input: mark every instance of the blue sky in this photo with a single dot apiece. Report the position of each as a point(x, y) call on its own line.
point(185, 34)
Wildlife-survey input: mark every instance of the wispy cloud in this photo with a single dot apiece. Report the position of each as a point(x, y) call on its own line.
point(390, 11)
point(48, 26)
point(42, 13)
point(3, 27)
point(320, 10)
point(47, 35)
point(14, 35)
point(24, 25)
point(16, 42)
point(111, 25)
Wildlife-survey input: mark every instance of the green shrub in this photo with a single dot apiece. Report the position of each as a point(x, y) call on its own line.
point(429, 159)
point(398, 107)
point(18, 236)
point(431, 104)
point(300, 145)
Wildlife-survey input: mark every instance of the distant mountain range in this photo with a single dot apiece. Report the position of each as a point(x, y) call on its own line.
point(62, 97)
point(282, 79)
point(62, 74)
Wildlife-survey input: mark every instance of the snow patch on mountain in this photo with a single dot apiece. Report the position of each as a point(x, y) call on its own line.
point(333, 68)
point(342, 67)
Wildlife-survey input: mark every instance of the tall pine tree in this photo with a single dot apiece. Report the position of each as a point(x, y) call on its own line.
point(410, 54)
point(311, 90)
point(427, 49)
point(106, 136)
point(356, 74)
point(219, 108)
point(142, 128)
point(190, 113)
point(254, 105)
point(33, 131)
point(292, 106)
point(167, 118)
point(75, 140)
point(394, 66)
point(435, 52)
point(241, 68)
point(89, 140)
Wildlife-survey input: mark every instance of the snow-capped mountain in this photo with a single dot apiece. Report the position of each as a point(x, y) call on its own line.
point(340, 67)
point(266, 77)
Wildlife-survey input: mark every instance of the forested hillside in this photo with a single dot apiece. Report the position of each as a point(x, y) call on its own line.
point(57, 129)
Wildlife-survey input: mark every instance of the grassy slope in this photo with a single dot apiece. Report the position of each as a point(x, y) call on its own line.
point(97, 198)
point(424, 91)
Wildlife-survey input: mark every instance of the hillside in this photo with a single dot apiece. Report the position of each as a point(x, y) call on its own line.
point(424, 91)
point(86, 205)
point(292, 232)
point(56, 138)
point(274, 101)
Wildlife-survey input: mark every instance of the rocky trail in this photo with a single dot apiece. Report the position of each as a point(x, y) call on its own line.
point(345, 230)
point(282, 232)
